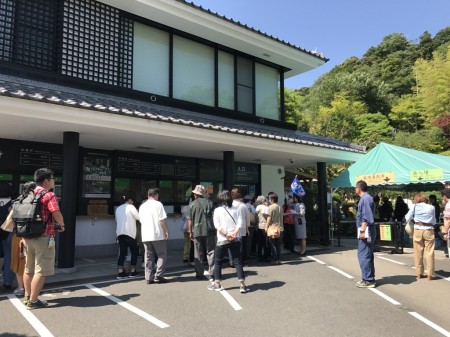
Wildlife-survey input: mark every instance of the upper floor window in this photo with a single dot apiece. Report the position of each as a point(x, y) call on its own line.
point(226, 80)
point(193, 71)
point(151, 52)
point(267, 95)
point(244, 85)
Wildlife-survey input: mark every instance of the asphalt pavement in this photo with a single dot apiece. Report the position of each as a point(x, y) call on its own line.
point(309, 296)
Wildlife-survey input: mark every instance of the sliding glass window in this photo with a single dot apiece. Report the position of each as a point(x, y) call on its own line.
point(193, 71)
point(267, 96)
point(151, 60)
point(226, 80)
point(245, 85)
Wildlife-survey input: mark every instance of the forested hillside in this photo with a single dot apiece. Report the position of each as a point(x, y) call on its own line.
point(398, 92)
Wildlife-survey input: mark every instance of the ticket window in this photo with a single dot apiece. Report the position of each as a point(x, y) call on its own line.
point(136, 188)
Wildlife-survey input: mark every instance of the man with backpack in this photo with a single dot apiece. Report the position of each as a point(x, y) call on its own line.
point(40, 250)
point(202, 231)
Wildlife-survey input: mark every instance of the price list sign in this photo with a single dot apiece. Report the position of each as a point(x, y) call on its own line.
point(127, 164)
point(385, 232)
point(33, 157)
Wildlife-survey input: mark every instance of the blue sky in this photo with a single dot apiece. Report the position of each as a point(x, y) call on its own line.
point(337, 28)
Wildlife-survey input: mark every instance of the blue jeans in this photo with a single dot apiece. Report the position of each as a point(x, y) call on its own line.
point(221, 251)
point(8, 275)
point(275, 247)
point(365, 256)
point(126, 242)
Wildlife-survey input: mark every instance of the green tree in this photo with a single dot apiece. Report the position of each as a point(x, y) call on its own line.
point(338, 121)
point(292, 105)
point(406, 114)
point(373, 128)
point(433, 79)
point(428, 140)
point(426, 46)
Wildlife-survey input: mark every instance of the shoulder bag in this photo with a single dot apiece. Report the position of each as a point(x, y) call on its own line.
point(274, 231)
point(409, 226)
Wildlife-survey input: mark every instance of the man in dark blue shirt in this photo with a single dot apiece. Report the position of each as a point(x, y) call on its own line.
point(366, 235)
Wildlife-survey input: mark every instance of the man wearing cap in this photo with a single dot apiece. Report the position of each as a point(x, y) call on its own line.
point(203, 234)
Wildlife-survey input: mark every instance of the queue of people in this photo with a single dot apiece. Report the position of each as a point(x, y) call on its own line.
point(214, 231)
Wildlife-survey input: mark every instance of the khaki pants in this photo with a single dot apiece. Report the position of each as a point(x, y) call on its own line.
point(424, 243)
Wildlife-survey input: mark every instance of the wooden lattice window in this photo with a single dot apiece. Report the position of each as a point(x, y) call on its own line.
point(94, 38)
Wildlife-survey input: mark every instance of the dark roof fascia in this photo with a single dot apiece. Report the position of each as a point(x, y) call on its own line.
point(56, 94)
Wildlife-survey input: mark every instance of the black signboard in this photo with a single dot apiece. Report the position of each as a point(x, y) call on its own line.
point(130, 164)
point(135, 165)
point(185, 168)
point(211, 170)
point(25, 156)
point(246, 173)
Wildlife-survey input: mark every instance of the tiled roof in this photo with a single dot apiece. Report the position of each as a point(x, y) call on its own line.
point(56, 94)
point(243, 25)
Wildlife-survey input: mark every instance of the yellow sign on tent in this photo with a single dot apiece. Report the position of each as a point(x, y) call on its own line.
point(427, 174)
point(377, 178)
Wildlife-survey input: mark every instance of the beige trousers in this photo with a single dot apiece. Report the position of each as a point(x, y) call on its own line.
point(424, 244)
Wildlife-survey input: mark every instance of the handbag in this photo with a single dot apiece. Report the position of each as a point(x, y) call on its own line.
point(8, 225)
point(409, 226)
point(274, 231)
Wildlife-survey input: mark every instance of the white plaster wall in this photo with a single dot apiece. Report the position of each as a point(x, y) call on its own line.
point(92, 231)
point(272, 180)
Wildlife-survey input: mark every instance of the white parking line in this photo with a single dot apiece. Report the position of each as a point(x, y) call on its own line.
point(390, 260)
point(317, 260)
point(231, 300)
point(133, 309)
point(430, 324)
point(383, 295)
point(341, 272)
point(34, 322)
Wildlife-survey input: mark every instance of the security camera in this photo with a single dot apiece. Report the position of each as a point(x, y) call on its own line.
point(291, 161)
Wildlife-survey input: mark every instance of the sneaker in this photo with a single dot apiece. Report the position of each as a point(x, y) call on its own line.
point(26, 299)
point(161, 279)
point(134, 274)
point(365, 284)
point(122, 276)
point(213, 286)
point(150, 281)
point(19, 292)
point(36, 305)
point(244, 290)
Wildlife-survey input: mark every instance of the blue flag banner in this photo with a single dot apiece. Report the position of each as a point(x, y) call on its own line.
point(297, 188)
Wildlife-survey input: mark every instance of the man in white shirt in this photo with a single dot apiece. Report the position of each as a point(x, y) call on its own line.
point(154, 236)
point(126, 216)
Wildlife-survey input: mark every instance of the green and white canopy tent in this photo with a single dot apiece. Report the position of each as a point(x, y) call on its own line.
point(389, 165)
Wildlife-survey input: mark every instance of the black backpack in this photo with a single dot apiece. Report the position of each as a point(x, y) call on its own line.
point(3, 215)
point(27, 217)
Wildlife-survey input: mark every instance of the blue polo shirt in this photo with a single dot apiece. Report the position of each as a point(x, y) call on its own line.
point(366, 209)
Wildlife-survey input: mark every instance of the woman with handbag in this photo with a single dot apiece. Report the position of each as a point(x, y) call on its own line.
point(274, 227)
point(228, 223)
point(423, 236)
